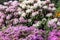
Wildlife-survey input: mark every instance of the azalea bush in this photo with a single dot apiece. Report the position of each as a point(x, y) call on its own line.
point(28, 20)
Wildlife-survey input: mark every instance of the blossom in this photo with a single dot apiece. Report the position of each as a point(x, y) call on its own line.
point(49, 15)
point(58, 23)
point(5, 3)
point(14, 3)
point(1, 20)
point(23, 5)
point(45, 7)
point(15, 21)
point(29, 10)
point(22, 20)
point(49, 8)
point(8, 17)
point(52, 23)
point(34, 14)
point(54, 35)
point(53, 9)
point(51, 5)
point(23, 14)
point(37, 24)
point(35, 5)
point(2, 7)
point(13, 33)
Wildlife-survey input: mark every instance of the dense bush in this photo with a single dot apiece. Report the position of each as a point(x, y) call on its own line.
point(29, 20)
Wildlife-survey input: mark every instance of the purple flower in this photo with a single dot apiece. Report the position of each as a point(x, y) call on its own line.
point(54, 35)
point(20, 32)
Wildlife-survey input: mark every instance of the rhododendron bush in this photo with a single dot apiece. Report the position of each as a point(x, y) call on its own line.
point(29, 20)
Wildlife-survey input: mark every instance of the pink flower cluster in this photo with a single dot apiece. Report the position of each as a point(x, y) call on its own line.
point(54, 23)
point(21, 33)
point(54, 35)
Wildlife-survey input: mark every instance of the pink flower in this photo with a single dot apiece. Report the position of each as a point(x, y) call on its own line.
point(14, 3)
point(11, 9)
point(15, 21)
point(8, 17)
point(3, 16)
point(48, 1)
point(49, 8)
point(2, 7)
point(22, 20)
point(16, 14)
point(51, 23)
point(1, 20)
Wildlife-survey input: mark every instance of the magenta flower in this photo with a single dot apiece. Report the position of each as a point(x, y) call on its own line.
point(54, 35)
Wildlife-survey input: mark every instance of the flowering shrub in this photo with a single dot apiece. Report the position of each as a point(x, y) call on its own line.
point(29, 20)
point(27, 12)
point(21, 33)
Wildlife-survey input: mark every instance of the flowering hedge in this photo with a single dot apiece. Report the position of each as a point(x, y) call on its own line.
point(29, 20)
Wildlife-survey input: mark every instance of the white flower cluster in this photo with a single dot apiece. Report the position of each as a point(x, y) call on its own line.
point(34, 6)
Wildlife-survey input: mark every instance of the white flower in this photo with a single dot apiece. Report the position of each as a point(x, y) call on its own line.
point(29, 10)
point(19, 12)
point(43, 2)
point(39, 3)
point(54, 20)
point(36, 5)
point(23, 14)
point(44, 19)
point(31, 7)
point(38, 0)
point(49, 15)
point(29, 20)
point(28, 1)
point(37, 24)
point(31, 1)
point(28, 6)
point(58, 23)
point(25, 2)
point(5, 3)
point(10, 1)
point(45, 7)
point(34, 14)
point(53, 9)
point(23, 5)
point(40, 10)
